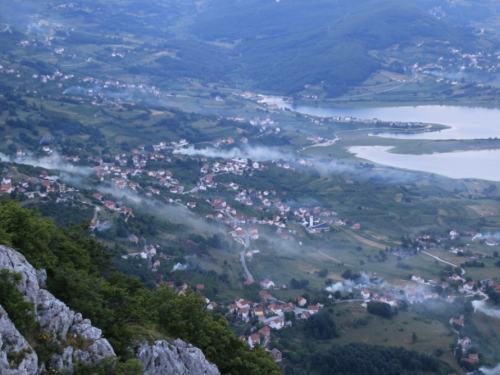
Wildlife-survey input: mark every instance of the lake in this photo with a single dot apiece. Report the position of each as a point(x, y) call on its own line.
point(465, 123)
point(467, 164)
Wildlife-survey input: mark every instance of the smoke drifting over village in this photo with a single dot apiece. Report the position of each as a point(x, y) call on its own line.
point(486, 236)
point(180, 267)
point(253, 153)
point(482, 307)
point(362, 280)
point(490, 371)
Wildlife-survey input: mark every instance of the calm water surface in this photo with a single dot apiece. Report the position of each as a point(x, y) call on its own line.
point(469, 164)
point(465, 123)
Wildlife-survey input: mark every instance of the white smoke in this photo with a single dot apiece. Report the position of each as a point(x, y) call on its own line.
point(490, 371)
point(254, 153)
point(481, 307)
point(55, 163)
point(104, 226)
point(340, 287)
point(364, 279)
point(180, 267)
point(485, 236)
point(75, 90)
point(5, 158)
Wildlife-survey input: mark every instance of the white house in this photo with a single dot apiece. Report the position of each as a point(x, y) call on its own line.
point(253, 339)
point(417, 278)
point(267, 284)
point(301, 301)
point(277, 324)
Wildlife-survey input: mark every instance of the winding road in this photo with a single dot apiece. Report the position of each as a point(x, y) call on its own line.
point(415, 76)
point(244, 264)
point(444, 261)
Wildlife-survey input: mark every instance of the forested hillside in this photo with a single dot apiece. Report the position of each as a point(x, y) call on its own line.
point(285, 45)
point(80, 275)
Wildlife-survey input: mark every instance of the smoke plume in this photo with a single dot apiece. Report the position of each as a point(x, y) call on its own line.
point(254, 153)
point(490, 371)
point(481, 307)
point(104, 226)
point(180, 267)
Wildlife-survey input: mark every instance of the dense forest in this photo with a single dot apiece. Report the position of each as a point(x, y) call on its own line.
point(361, 358)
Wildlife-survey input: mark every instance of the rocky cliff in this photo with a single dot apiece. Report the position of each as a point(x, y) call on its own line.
point(176, 357)
point(74, 337)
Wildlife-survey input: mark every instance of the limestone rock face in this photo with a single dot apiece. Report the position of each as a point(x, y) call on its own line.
point(63, 362)
point(16, 355)
point(53, 317)
point(63, 326)
point(100, 347)
point(16, 262)
point(164, 358)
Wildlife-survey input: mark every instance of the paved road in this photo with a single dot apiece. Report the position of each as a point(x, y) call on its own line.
point(444, 261)
point(415, 76)
point(244, 264)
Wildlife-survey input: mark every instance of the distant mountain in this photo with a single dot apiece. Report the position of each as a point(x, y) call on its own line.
point(285, 45)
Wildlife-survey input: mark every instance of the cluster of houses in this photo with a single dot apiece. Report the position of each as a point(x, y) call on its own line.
point(270, 312)
point(266, 125)
point(123, 170)
point(39, 186)
point(462, 286)
point(479, 61)
point(426, 241)
point(385, 297)
point(420, 294)
point(464, 344)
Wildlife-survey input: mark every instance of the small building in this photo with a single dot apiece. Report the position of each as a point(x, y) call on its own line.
point(323, 227)
point(265, 331)
point(253, 339)
point(313, 309)
point(301, 301)
point(258, 312)
point(277, 324)
point(267, 284)
point(278, 357)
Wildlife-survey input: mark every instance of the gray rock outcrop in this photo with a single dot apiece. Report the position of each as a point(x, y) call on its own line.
point(16, 355)
point(81, 341)
point(53, 318)
point(63, 362)
point(99, 347)
point(16, 262)
point(177, 357)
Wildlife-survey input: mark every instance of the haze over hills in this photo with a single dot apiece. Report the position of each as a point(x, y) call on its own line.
point(268, 45)
point(285, 45)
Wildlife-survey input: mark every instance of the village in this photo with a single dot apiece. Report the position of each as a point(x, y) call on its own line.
point(273, 240)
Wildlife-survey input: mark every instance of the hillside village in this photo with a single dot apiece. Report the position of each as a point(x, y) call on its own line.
point(130, 171)
point(385, 257)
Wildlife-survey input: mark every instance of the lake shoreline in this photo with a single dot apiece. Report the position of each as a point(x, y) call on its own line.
point(456, 165)
point(383, 104)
